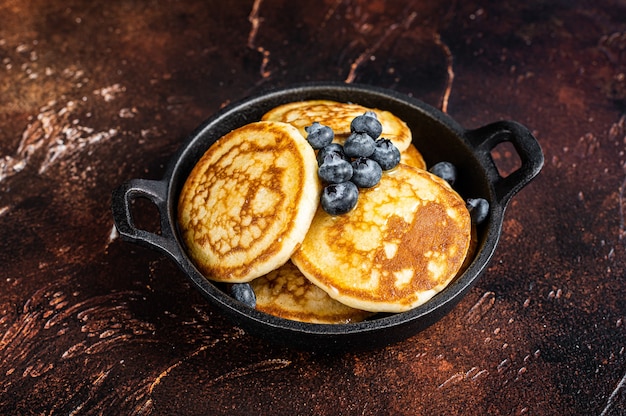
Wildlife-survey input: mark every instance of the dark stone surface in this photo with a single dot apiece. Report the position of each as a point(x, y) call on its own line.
point(93, 93)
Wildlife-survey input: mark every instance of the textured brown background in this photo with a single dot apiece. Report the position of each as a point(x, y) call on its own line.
point(93, 93)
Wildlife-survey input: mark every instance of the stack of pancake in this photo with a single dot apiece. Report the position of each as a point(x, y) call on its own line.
point(249, 212)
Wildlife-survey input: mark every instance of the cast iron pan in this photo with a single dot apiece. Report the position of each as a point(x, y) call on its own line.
point(438, 138)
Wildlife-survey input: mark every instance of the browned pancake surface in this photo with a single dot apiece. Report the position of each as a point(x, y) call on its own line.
point(249, 201)
point(338, 116)
point(412, 157)
point(287, 293)
point(404, 242)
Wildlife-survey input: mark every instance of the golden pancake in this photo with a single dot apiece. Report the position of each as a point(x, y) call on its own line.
point(249, 201)
point(286, 293)
point(471, 251)
point(412, 157)
point(405, 240)
point(338, 116)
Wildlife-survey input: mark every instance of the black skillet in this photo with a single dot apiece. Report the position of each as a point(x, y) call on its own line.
point(438, 138)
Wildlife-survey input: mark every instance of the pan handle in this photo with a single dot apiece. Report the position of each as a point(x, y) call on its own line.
point(156, 192)
point(485, 139)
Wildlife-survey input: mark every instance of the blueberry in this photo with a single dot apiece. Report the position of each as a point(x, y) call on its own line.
point(319, 135)
point(366, 172)
point(478, 209)
point(243, 293)
point(359, 145)
point(330, 148)
point(339, 198)
point(335, 169)
point(367, 123)
point(445, 170)
point(386, 154)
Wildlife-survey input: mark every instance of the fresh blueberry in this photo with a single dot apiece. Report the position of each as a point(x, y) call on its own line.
point(478, 209)
point(445, 170)
point(367, 123)
point(366, 172)
point(335, 169)
point(319, 135)
point(339, 198)
point(330, 148)
point(386, 154)
point(243, 292)
point(359, 145)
